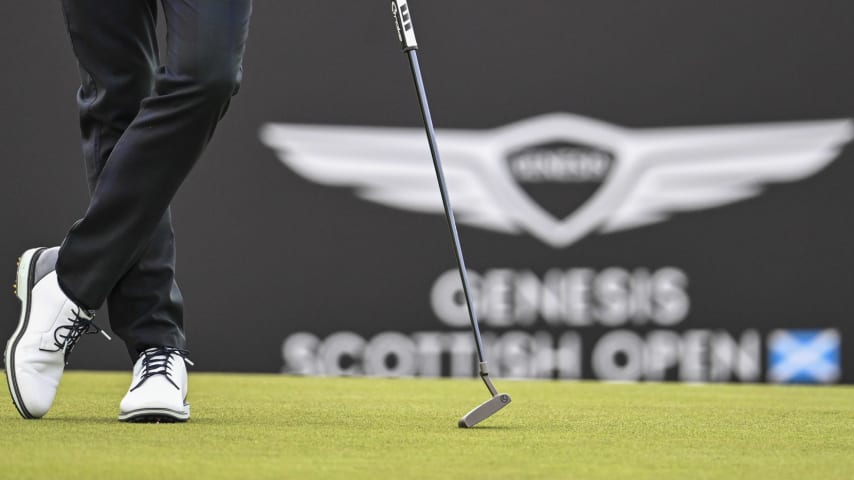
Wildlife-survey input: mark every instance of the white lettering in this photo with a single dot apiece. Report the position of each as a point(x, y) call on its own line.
point(576, 297)
point(619, 356)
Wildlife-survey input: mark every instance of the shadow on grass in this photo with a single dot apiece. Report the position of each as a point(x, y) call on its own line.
point(74, 419)
point(107, 421)
point(492, 427)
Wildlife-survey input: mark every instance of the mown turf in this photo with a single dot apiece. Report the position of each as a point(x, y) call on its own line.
point(262, 426)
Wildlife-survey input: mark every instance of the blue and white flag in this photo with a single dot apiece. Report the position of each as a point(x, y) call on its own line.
point(804, 356)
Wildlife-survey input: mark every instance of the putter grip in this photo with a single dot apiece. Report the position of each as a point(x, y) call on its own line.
point(403, 23)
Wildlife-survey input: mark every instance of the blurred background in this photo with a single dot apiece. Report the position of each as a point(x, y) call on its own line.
point(648, 190)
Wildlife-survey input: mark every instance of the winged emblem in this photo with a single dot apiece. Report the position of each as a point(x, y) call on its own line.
point(656, 173)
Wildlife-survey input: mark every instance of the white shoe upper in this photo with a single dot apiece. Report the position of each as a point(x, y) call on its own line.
point(159, 387)
point(49, 327)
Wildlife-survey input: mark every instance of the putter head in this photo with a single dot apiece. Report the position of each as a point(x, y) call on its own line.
point(484, 410)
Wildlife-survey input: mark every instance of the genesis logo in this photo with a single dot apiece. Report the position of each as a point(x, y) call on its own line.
point(560, 177)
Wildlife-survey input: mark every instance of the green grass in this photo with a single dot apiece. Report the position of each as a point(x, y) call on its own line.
point(264, 426)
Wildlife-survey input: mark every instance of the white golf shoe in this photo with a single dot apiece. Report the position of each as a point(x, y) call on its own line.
point(158, 391)
point(48, 329)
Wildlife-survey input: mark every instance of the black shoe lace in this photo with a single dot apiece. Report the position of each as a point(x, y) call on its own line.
point(67, 336)
point(158, 361)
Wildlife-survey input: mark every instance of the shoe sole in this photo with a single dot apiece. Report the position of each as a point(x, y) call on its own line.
point(23, 288)
point(154, 415)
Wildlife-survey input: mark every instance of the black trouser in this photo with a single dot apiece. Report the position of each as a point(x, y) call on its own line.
point(143, 126)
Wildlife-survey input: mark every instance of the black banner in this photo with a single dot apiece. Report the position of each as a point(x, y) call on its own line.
point(645, 191)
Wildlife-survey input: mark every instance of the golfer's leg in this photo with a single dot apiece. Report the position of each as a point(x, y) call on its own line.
point(114, 43)
point(146, 307)
point(116, 46)
point(206, 41)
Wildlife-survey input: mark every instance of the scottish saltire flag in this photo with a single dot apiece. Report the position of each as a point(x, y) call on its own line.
point(804, 356)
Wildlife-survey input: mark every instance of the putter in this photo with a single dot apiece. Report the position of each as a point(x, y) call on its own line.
point(406, 34)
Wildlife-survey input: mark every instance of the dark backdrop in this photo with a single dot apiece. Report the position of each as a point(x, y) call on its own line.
point(264, 253)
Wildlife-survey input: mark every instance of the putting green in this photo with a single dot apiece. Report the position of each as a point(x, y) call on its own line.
point(266, 426)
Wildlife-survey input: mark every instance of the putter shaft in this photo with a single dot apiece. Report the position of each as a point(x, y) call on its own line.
point(406, 34)
point(446, 203)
